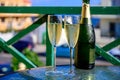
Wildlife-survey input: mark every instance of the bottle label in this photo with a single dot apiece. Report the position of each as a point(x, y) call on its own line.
point(92, 56)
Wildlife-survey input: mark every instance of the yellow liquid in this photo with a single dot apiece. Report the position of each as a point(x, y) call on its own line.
point(72, 34)
point(54, 32)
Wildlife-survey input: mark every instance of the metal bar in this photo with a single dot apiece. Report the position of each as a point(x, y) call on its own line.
point(111, 45)
point(110, 58)
point(16, 54)
point(27, 30)
point(61, 10)
point(49, 51)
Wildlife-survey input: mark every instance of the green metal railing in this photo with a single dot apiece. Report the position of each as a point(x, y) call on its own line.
point(55, 10)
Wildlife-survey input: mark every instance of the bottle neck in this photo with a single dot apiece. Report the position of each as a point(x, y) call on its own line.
point(86, 1)
point(85, 14)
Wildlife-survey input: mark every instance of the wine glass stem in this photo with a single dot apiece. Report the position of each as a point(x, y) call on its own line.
point(54, 58)
point(71, 56)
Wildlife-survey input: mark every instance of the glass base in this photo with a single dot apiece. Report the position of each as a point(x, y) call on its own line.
point(70, 75)
point(54, 73)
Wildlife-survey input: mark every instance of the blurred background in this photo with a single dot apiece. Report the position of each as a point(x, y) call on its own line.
point(107, 29)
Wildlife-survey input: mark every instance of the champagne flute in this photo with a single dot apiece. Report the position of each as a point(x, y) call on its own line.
point(54, 34)
point(72, 26)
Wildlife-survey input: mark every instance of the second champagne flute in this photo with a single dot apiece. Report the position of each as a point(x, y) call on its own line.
point(54, 34)
point(72, 27)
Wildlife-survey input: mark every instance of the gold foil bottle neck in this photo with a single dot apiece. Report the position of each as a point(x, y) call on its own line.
point(86, 10)
point(85, 13)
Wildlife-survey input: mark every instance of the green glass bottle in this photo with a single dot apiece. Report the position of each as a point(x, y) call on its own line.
point(85, 48)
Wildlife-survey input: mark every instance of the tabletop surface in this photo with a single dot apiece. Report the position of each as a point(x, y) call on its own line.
point(98, 73)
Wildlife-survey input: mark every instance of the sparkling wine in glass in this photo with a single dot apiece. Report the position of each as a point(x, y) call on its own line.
point(54, 34)
point(72, 28)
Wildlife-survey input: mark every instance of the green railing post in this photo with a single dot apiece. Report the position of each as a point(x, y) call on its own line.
point(27, 30)
point(97, 10)
point(110, 58)
point(49, 50)
point(59, 10)
point(18, 36)
point(102, 51)
point(111, 45)
point(16, 54)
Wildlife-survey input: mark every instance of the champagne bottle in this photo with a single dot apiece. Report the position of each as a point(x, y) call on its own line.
point(85, 49)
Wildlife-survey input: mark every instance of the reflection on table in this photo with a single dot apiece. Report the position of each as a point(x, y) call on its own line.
point(98, 73)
